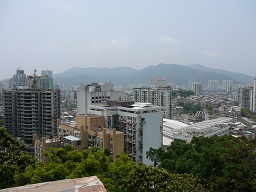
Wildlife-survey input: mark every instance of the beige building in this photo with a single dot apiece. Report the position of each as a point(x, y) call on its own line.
point(89, 131)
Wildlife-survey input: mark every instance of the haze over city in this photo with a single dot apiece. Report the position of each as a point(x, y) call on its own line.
point(58, 35)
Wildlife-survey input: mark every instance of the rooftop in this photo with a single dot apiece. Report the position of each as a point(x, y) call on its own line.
point(72, 138)
point(85, 184)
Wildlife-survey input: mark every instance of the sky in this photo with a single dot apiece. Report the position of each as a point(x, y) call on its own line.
point(60, 34)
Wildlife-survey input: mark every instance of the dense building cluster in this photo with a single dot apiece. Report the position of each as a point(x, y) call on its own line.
point(45, 115)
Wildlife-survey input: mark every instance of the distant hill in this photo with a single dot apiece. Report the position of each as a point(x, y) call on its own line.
point(178, 74)
point(243, 78)
point(96, 72)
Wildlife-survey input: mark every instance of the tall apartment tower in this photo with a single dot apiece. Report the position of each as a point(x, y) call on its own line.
point(141, 124)
point(245, 97)
point(254, 95)
point(31, 111)
point(18, 79)
point(46, 80)
point(226, 84)
point(96, 93)
point(158, 96)
point(197, 88)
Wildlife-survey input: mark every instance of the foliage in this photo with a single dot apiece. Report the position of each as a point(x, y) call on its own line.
point(190, 108)
point(247, 113)
point(209, 108)
point(221, 163)
point(121, 175)
point(182, 93)
point(206, 164)
point(12, 159)
point(148, 178)
point(1, 123)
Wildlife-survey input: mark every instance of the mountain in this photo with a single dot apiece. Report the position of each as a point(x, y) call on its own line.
point(178, 74)
point(243, 78)
point(94, 71)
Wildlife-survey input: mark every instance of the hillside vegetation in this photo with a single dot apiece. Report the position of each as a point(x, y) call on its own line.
point(205, 164)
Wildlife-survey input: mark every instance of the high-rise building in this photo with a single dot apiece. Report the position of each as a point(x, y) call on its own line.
point(197, 88)
point(158, 96)
point(227, 84)
point(1, 92)
point(31, 111)
point(19, 79)
point(96, 93)
point(254, 95)
point(46, 80)
point(141, 124)
point(245, 97)
point(213, 84)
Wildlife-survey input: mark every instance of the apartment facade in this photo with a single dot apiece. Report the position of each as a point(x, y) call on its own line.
point(141, 124)
point(96, 93)
point(88, 131)
point(158, 96)
point(197, 88)
point(18, 79)
point(29, 111)
point(245, 97)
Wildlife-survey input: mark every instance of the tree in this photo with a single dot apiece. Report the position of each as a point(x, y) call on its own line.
point(118, 171)
point(154, 155)
point(247, 113)
point(221, 163)
point(12, 159)
point(148, 178)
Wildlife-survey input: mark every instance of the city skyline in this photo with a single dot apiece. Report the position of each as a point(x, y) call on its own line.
point(58, 35)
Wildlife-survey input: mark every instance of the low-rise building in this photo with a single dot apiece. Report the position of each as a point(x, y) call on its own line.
point(89, 131)
point(219, 126)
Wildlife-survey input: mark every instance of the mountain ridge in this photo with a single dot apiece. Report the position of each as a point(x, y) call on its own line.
point(176, 73)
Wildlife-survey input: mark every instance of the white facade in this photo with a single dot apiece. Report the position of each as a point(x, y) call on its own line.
point(254, 94)
point(245, 97)
point(197, 88)
point(141, 124)
point(161, 96)
point(96, 93)
point(209, 128)
point(170, 127)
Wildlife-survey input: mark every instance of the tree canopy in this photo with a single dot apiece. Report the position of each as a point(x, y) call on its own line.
point(221, 163)
point(123, 175)
point(182, 93)
point(205, 164)
point(12, 159)
point(247, 113)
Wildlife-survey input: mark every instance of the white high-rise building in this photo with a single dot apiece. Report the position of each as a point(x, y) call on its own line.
point(158, 96)
point(197, 88)
point(140, 122)
point(226, 84)
point(213, 84)
point(245, 97)
point(96, 93)
point(254, 95)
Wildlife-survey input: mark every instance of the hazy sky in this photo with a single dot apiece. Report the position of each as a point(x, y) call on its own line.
point(61, 34)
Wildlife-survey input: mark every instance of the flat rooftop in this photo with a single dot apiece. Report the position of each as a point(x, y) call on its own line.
point(85, 184)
